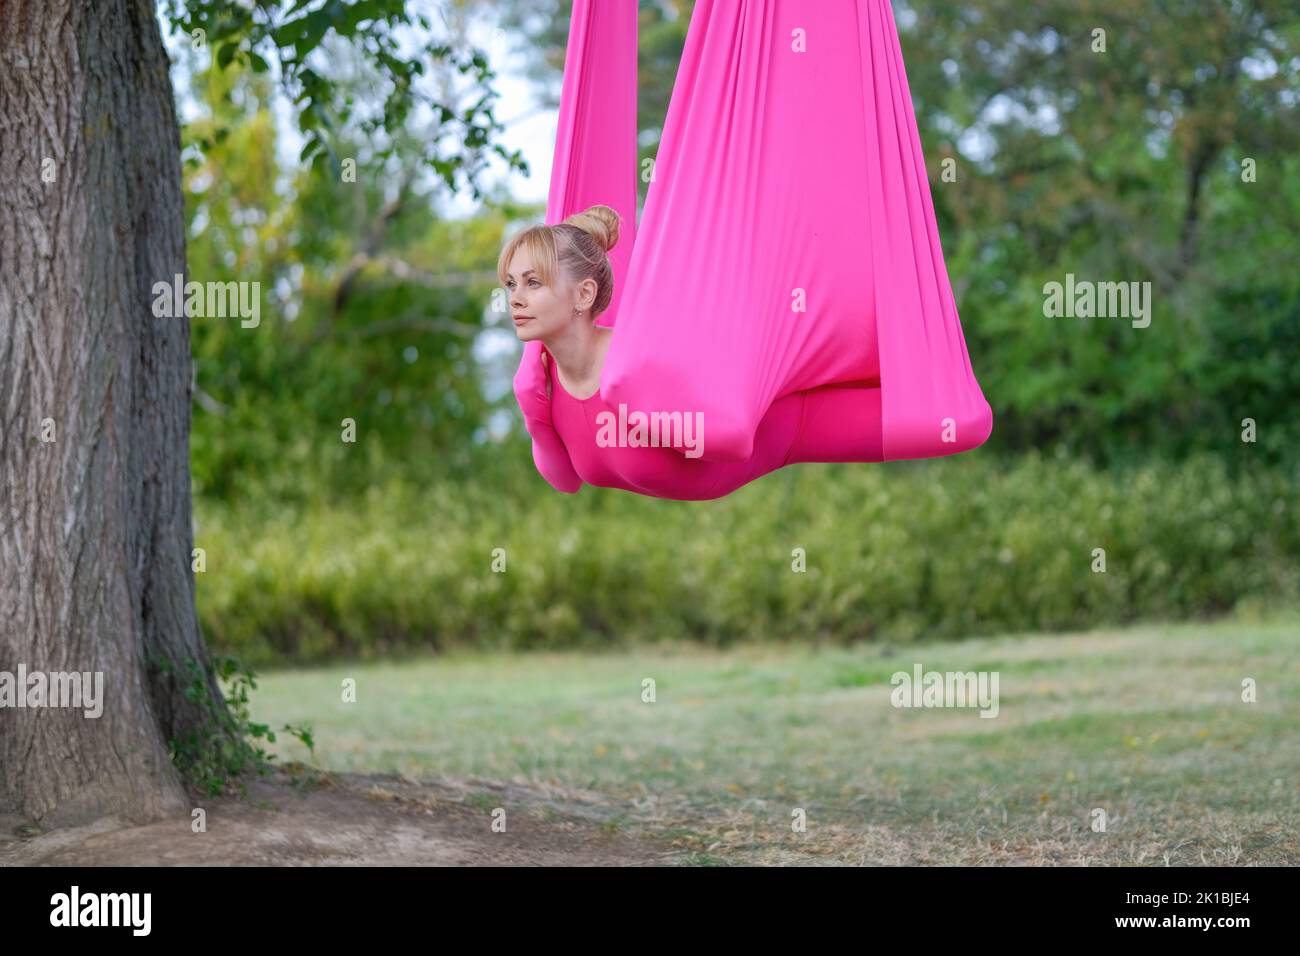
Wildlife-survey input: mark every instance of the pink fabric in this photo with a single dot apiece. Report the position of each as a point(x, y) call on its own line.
point(827, 424)
point(781, 176)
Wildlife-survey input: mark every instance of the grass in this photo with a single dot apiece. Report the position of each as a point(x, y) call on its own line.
point(1146, 724)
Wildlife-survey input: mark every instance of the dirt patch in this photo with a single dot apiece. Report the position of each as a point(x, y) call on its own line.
point(321, 819)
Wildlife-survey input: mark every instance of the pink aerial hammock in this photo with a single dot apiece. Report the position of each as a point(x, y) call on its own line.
point(788, 240)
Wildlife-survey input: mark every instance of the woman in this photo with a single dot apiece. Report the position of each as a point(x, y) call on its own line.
point(559, 280)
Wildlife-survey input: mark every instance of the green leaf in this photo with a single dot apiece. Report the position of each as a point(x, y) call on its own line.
point(227, 53)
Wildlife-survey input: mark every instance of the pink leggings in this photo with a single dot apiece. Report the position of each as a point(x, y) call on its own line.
point(825, 424)
point(839, 423)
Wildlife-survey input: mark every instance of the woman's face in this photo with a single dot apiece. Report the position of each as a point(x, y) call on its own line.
point(539, 311)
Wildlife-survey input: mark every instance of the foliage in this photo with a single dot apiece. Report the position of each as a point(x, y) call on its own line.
point(371, 307)
point(290, 40)
point(919, 549)
point(1128, 164)
point(225, 747)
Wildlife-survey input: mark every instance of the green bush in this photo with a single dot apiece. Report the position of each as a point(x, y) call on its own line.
point(944, 548)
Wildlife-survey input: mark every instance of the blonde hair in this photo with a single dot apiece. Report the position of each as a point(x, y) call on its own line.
point(577, 246)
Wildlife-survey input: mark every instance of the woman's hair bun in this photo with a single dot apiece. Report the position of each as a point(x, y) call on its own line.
point(600, 222)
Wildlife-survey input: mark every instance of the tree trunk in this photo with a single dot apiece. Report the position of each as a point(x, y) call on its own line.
point(95, 525)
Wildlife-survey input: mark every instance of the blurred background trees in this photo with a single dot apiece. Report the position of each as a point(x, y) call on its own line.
point(1152, 141)
point(1122, 165)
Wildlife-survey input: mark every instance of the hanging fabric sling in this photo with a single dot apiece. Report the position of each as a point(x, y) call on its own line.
point(788, 239)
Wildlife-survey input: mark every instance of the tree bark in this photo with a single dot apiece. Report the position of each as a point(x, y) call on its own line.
point(95, 526)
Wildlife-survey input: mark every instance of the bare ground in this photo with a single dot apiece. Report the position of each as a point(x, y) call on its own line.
point(325, 819)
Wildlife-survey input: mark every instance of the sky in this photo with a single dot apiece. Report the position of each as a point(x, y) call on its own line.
point(533, 133)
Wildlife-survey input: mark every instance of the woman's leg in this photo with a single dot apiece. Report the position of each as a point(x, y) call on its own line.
point(840, 423)
point(667, 473)
point(829, 423)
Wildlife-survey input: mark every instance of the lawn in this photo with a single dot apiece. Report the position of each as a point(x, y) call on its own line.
point(1146, 724)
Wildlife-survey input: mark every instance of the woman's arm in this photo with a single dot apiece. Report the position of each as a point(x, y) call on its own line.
point(549, 454)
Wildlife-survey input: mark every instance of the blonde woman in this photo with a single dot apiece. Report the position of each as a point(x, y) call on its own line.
point(558, 280)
